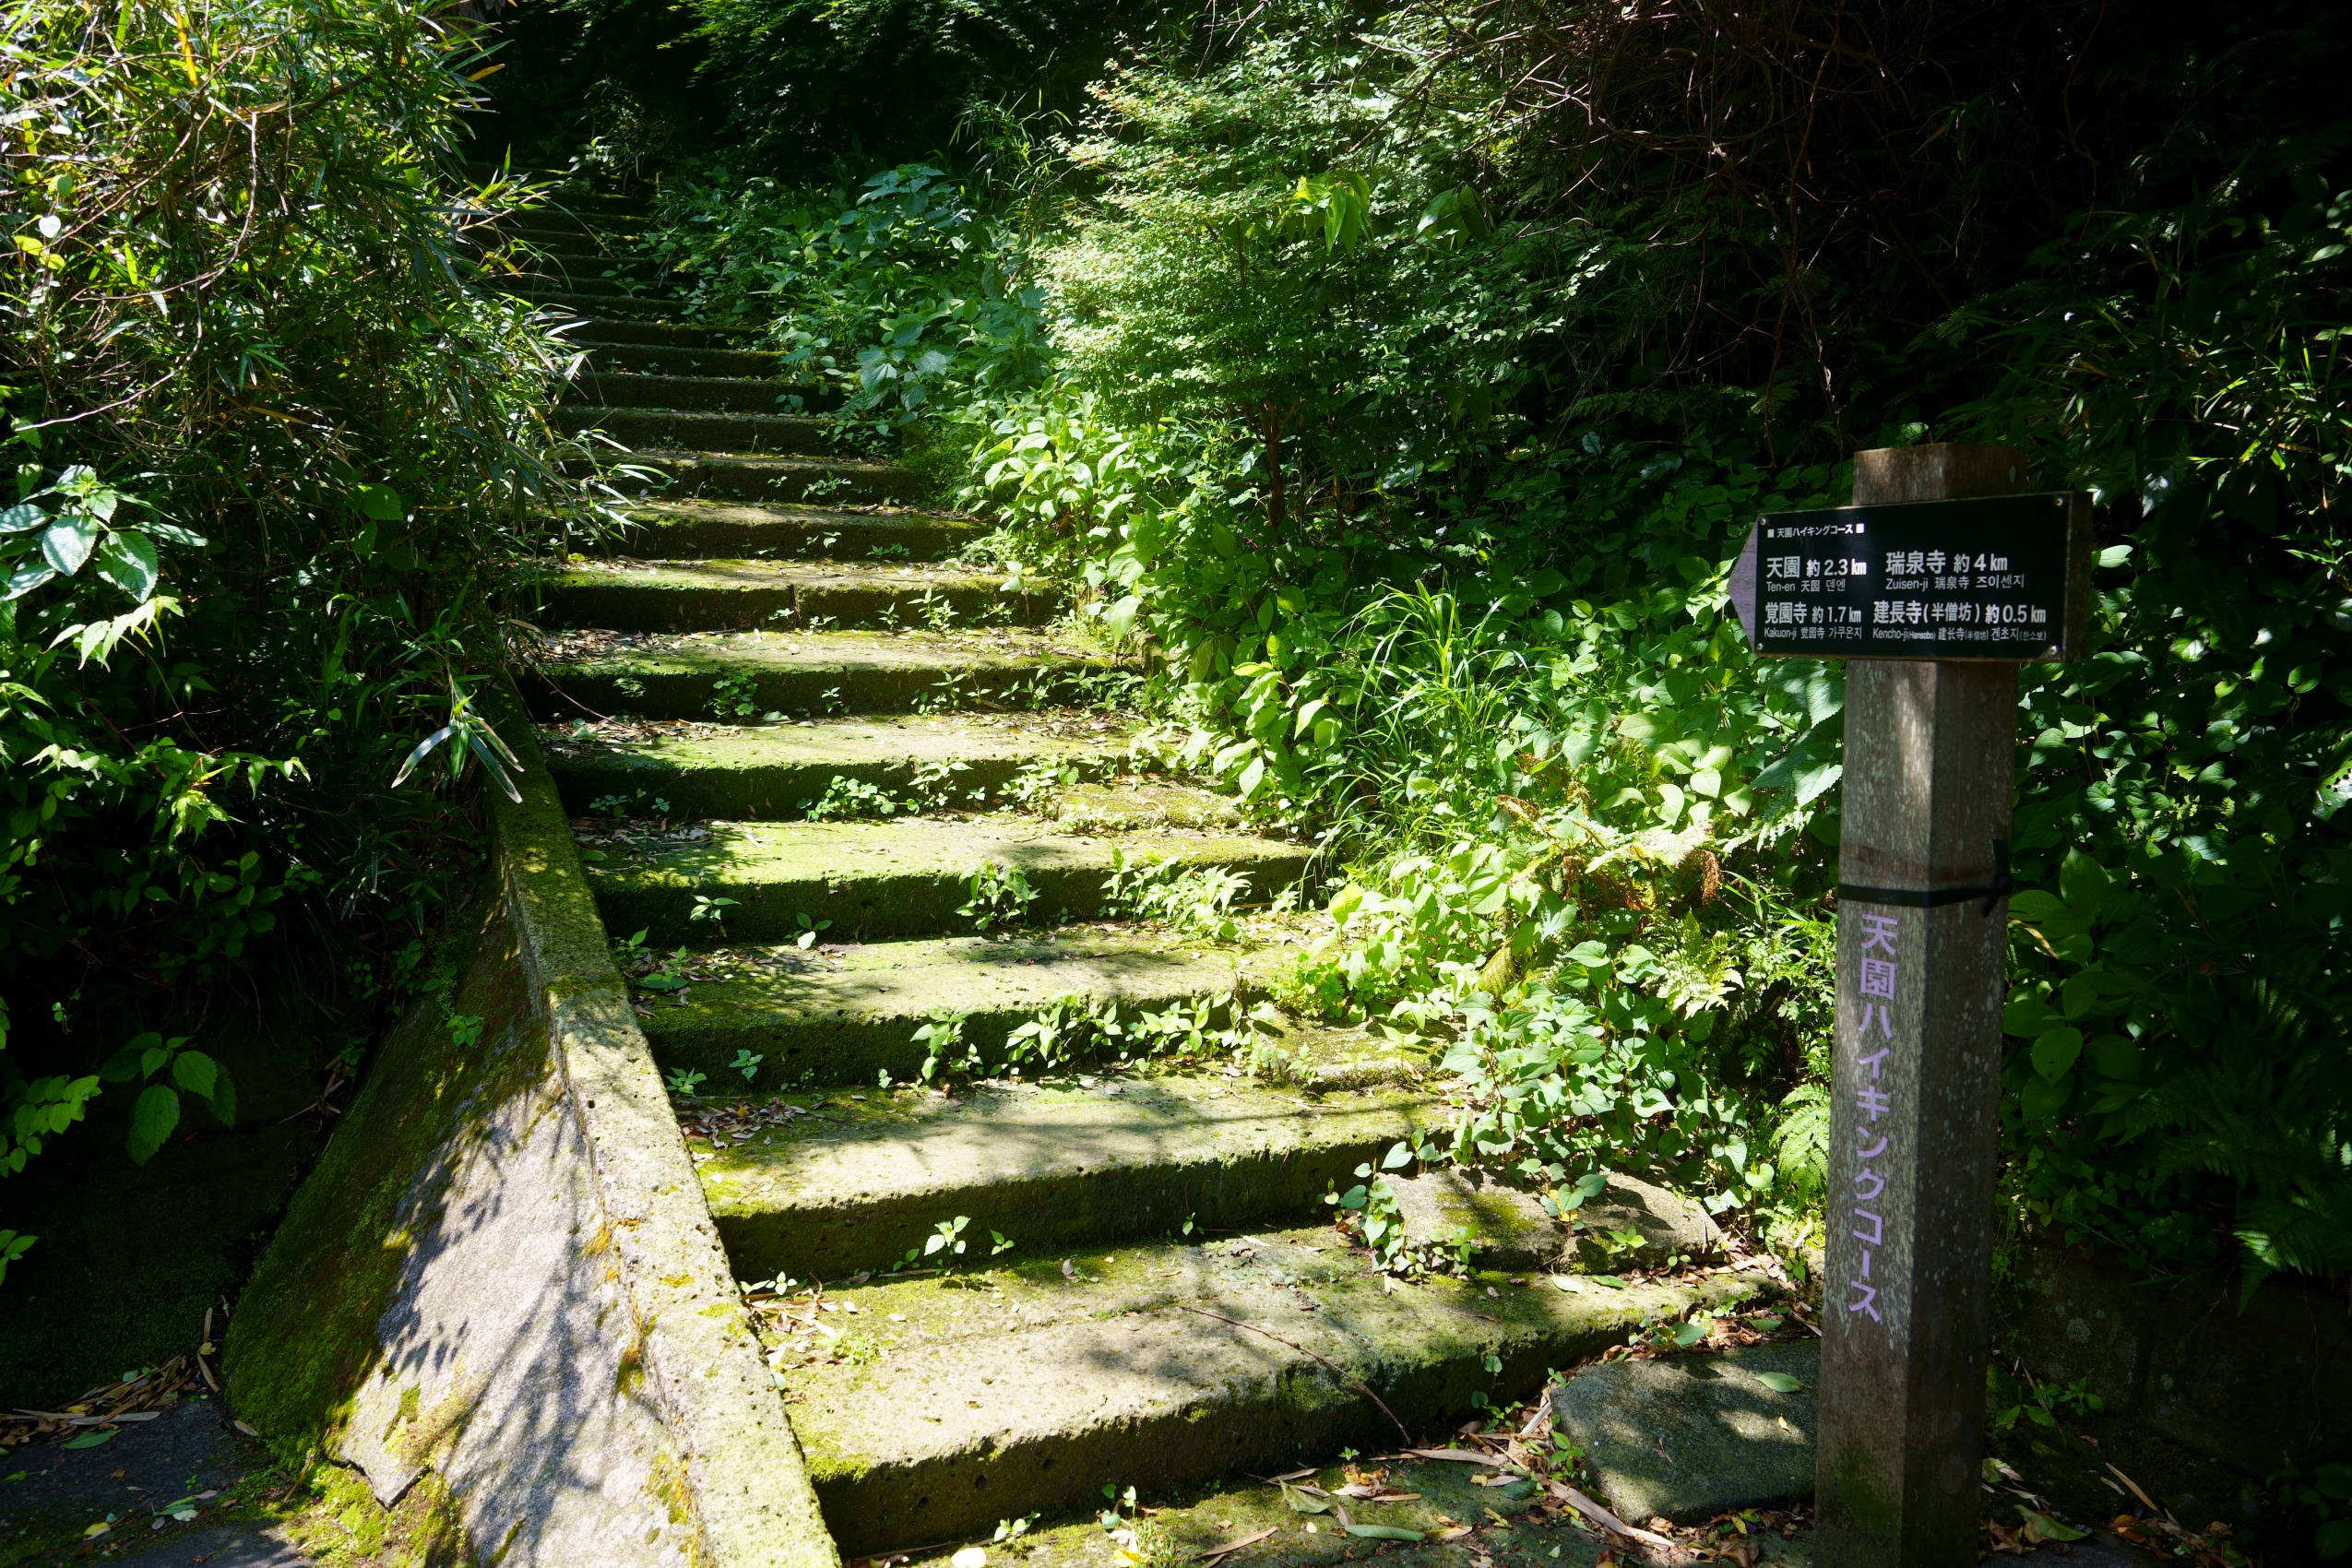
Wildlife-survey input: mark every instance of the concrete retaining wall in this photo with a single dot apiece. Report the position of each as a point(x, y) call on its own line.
point(2264, 1388)
point(502, 1272)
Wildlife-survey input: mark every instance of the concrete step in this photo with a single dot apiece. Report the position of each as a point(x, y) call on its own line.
point(611, 353)
point(603, 305)
point(1460, 1523)
point(909, 878)
point(597, 331)
point(768, 772)
point(807, 675)
point(837, 1014)
point(549, 225)
point(752, 395)
point(656, 427)
point(587, 270)
point(991, 1394)
point(671, 475)
point(1053, 1166)
point(745, 596)
point(612, 290)
point(711, 529)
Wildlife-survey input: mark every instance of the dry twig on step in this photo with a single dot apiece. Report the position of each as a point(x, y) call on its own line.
point(1359, 1385)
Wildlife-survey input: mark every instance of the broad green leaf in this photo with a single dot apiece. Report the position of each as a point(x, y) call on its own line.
point(69, 541)
point(2084, 883)
point(23, 517)
point(195, 1072)
point(2055, 1053)
point(2032, 904)
point(2026, 1015)
point(379, 502)
point(1779, 1383)
point(126, 559)
point(2115, 1056)
point(2042, 1099)
point(1383, 1532)
point(154, 1116)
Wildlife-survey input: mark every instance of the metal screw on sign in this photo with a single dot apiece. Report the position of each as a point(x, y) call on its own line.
point(1938, 581)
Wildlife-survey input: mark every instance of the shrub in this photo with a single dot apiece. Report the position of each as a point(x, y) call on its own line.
point(273, 453)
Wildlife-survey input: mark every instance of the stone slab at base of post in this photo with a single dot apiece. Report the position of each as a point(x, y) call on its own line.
point(1930, 750)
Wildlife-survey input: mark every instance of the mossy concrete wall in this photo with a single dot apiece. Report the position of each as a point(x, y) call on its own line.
point(503, 1272)
point(2264, 1386)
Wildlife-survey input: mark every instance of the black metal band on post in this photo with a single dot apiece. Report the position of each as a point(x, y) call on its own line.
point(1993, 893)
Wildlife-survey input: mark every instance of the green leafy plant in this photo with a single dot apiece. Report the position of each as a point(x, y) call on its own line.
point(997, 894)
point(168, 1069)
point(231, 603)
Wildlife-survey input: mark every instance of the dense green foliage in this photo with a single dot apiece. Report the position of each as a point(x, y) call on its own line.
point(271, 457)
point(1415, 377)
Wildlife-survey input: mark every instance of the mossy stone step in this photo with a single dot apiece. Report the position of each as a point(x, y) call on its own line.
point(583, 270)
point(846, 1015)
point(809, 674)
point(592, 303)
point(705, 430)
point(544, 228)
point(770, 771)
point(716, 393)
point(742, 596)
point(1056, 1166)
point(534, 283)
point(909, 878)
point(1464, 1525)
point(597, 330)
point(671, 530)
point(989, 1396)
point(704, 475)
point(611, 352)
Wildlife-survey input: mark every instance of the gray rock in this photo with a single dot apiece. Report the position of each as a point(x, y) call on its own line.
point(1690, 1437)
point(1517, 1234)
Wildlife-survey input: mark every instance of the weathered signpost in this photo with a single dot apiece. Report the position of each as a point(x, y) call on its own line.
point(1939, 580)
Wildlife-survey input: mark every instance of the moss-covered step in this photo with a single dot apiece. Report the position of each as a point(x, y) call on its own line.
point(604, 304)
point(753, 392)
point(1085, 1162)
point(806, 673)
point(588, 269)
point(742, 596)
point(548, 227)
point(677, 530)
point(534, 284)
point(703, 429)
point(611, 349)
point(774, 771)
point(658, 334)
point(910, 877)
point(845, 1014)
point(970, 1399)
point(1461, 1523)
point(842, 480)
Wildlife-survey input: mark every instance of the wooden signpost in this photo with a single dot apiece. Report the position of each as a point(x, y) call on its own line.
point(1940, 579)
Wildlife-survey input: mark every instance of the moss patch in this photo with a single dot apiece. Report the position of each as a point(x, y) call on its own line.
point(303, 1338)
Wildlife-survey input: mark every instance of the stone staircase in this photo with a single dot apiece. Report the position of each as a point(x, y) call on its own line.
point(1067, 1272)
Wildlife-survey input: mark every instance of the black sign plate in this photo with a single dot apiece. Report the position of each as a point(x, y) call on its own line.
point(1999, 578)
